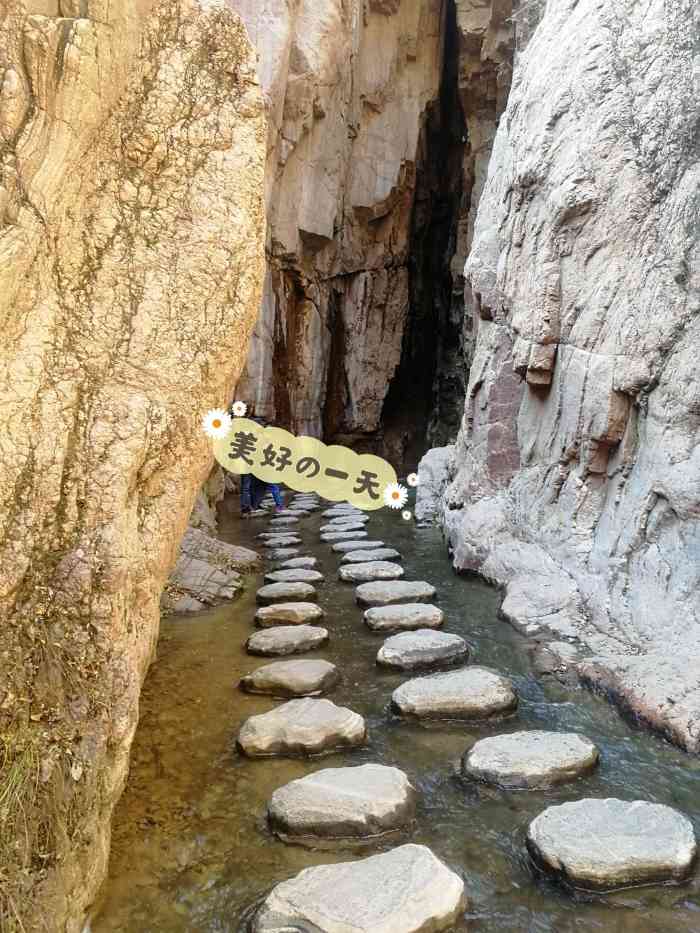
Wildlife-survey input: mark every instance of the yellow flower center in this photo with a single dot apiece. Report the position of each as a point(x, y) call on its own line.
point(395, 495)
point(216, 423)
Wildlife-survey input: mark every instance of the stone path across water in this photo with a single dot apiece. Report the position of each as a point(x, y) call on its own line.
point(593, 844)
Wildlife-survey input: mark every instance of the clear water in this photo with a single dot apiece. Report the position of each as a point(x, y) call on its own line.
point(191, 851)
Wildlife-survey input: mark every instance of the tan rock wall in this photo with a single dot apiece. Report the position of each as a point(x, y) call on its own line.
point(131, 256)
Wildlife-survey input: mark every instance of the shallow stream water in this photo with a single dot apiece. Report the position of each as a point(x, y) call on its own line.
point(191, 851)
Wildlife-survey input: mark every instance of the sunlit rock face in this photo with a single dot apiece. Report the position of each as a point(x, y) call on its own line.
point(577, 477)
point(132, 147)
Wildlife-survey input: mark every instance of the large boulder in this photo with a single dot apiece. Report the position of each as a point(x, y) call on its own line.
point(302, 727)
point(366, 800)
point(601, 844)
point(434, 472)
point(405, 890)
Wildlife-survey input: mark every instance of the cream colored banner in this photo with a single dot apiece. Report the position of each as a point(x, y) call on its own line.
point(305, 464)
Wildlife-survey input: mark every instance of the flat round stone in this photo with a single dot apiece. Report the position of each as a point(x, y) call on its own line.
point(298, 563)
point(356, 517)
point(531, 759)
point(283, 521)
point(346, 526)
point(294, 575)
point(603, 844)
point(286, 639)
point(406, 617)
point(282, 553)
point(469, 693)
point(391, 592)
point(282, 541)
point(344, 547)
point(337, 511)
point(337, 803)
point(362, 557)
point(301, 678)
point(332, 536)
point(290, 513)
point(371, 570)
point(302, 727)
point(285, 592)
point(288, 614)
point(424, 648)
point(405, 890)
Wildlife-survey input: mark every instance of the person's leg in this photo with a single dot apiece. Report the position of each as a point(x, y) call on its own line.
point(246, 493)
point(259, 490)
point(277, 495)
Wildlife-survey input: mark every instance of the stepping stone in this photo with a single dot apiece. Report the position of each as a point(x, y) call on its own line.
point(282, 553)
point(302, 727)
point(291, 513)
point(601, 845)
point(286, 639)
point(302, 678)
point(282, 522)
point(346, 526)
point(306, 563)
point(405, 890)
point(394, 591)
point(337, 803)
point(282, 541)
point(305, 507)
point(332, 536)
point(338, 511)
point(344, 547)
point(372, 570)
point(281, 592)
point(424, 648)
point(294, 575)
point(406, 618)
point(288, 614)
point(533, 759)
point(274, 535)
point(469, 693)
point(361, 557)
point(360, 519)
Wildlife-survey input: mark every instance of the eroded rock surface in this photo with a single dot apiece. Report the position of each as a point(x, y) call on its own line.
point(423, 648)
point(285, 592)
point(298, 678)
point(372, 570)
point(393, 592)
point(406, 617)
point(604, 844)
point(132, 141)
point(288, 613)
point(302, 727)
point(286, 639)
point(406, 889)
point(469, 693)
point(362, 557)
point(531, 759)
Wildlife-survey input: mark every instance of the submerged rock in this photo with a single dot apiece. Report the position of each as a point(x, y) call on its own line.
point(302, 727)
point(363, 556)
point(286, 639)
point(370, 570)
point(601, 844)
point(406, 617)
point(366, 800)
point(294, 575)
point(410, 651)
point(288, 614)
point(405, 890)
point(530, 759)
point(469, 693)
point(306, 677)
point(277, 592)
point(344, 547)
point(394, 591)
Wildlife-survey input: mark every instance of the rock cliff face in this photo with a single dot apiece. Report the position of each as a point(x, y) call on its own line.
point(577, 480)
point(381, 119)
point(132, 144)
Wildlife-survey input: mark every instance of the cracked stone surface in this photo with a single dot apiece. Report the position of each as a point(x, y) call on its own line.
point(366, 800)
point(406, 889)
point(602, 844)
point(132, 234)
point(302, 727)
point(532, 759)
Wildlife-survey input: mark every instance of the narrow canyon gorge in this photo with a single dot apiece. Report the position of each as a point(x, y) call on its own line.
point(461, 235)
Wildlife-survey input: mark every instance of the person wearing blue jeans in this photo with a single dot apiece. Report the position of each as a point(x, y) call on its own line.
point(254, 490)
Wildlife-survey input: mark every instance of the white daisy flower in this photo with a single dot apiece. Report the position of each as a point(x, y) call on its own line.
point(407, 515)
point(216, 423)
point(413, 479)
point(239, 409)
point(395, 495)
